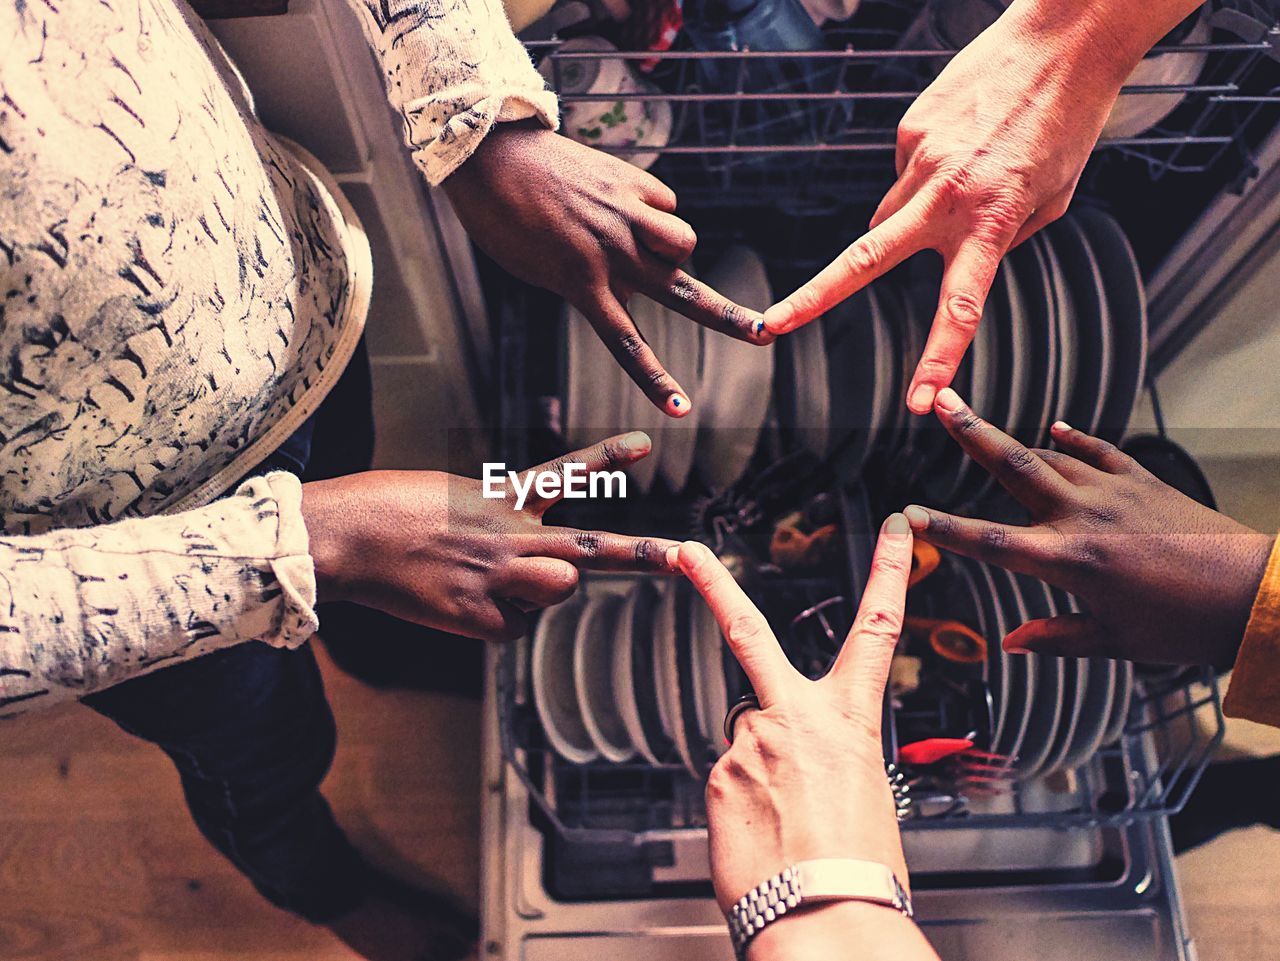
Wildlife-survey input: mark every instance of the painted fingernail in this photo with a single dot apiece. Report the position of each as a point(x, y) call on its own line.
point(1061, 427)
point(918, 517)
point(922, 398)
point(948, 400)
point(896, 528)
point(678, 404)
point(777, 317)
point(637, 442)
point(759, 327)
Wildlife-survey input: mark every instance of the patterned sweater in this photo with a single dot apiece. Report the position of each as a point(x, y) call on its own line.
point(178, 291)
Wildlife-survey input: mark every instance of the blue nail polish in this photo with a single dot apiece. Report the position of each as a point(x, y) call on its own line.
point(675, 402)
point(759, 326)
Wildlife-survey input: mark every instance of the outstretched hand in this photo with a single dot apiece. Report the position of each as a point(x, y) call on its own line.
point(595, 230)
point(988, 154)
point(1165, 580)
point(429, 547)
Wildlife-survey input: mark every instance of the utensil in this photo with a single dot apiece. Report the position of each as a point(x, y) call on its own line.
point(593, 650)
point(555, 694)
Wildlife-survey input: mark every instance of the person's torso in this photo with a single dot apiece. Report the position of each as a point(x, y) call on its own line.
point(172, 283)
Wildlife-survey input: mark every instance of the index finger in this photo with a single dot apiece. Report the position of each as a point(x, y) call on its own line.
point(603, 550)
point(612, 453)
point(966, 282)
point(744, 627)
point(686, 295)
point(876, 252)
point(862, 667)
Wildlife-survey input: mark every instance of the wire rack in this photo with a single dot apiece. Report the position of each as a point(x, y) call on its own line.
point(813, 131)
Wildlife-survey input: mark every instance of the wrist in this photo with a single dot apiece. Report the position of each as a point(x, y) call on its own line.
point(327, 542)
point(839, 929)
point(500, 139)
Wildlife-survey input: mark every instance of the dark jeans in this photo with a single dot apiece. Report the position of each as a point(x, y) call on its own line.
point(252, 736)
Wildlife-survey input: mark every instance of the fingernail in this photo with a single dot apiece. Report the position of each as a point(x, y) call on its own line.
point(896, 528)
point(1061, 426)
point(917, 516)
point(637, 442)
point(1015, 648)
point(922, 398)
point(777, 317)
point(758, 327)
point(678, 404)
point(948, 400)
point(673, 557)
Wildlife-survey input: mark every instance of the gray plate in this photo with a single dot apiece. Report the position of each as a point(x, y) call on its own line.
point(1088, 327)
point(1047, 699)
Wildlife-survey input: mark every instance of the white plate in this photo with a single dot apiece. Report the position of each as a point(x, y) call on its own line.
point(624, 673)
point(679, 435)
point(1075, 674)
point(736, 376)
point(555, 696)
point(1088, 326)
point(1065, 367)
point(1046, 698)
point(1135, 113)
point(593, 676)
point(708, 673)
point(666, 674)
point(638, 412)
point(1095, 711)
point(1120, 703)
point(1021, 673)
point(593, 401)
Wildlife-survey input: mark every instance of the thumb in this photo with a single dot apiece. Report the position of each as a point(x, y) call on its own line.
point(1067, 635)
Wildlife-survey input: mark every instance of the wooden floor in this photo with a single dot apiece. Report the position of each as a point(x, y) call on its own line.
point(99, 861)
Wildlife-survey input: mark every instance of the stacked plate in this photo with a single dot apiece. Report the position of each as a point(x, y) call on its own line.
point(632, 671)
point(727, 380)
point(1047, 713)
point(1063, 337)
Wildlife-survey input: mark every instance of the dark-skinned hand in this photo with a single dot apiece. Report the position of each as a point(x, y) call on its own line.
point(427, 547)
point(1164, 579)
point(595, 230)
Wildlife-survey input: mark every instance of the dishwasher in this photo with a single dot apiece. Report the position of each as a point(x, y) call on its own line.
point(790, 152)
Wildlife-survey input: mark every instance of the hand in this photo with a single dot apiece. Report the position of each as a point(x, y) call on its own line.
point(427, 547)
point(593, 229)
point(1165, 579)
point(804, 777)
point(988, 154)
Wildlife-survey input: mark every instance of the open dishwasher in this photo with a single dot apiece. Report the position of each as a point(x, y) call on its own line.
point(1055, 851)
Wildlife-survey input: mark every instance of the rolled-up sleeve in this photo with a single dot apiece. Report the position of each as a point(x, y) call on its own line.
point(81, 610)
point(453, 69)
point(1254, 693)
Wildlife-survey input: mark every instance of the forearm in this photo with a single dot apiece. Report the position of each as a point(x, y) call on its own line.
point(853, 930)
point(453, 69)
point(1099, 41)
point(81, 610)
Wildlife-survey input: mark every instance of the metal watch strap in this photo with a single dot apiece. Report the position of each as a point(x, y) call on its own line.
point(813, 882)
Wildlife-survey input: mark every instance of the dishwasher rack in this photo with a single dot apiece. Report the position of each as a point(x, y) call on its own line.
point(1174, 725)
point(826, 140)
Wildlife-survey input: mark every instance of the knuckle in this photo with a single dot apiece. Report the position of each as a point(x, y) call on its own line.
point(884, 623)
point(610, 455)
point(864, 256)
point(632, 344)
point(743, 628)
point(647, 554)
point(588, 544)
point(1018, 459)
point(994, 539)
point(564, 582)
point(964, 310)
point(955, 189)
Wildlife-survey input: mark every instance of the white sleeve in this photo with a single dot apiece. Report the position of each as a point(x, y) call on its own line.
point(453, 69)
point(81, 610)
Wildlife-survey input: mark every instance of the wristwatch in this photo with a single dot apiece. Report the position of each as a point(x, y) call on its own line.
point(813, 882)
